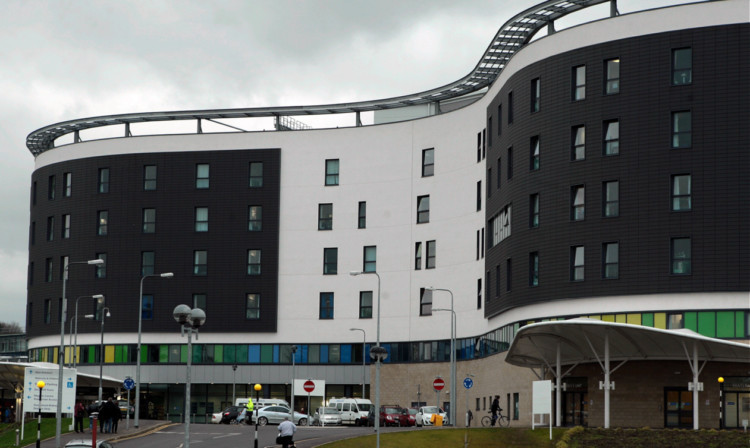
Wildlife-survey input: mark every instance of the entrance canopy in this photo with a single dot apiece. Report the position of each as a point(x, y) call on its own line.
point(11, 376)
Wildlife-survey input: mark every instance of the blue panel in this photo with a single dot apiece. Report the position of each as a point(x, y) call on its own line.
point(324, 353)
point(275, 354)
point(346, 354)
point(253, 354)
point(304, 354)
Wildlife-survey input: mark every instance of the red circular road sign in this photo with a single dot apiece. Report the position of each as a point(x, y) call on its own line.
point(309, 386)
point(438, 384)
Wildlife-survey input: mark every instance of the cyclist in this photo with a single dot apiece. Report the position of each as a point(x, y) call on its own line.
point(495, 409)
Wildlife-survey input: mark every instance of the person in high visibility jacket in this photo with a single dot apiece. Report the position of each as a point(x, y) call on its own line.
point(250, 407)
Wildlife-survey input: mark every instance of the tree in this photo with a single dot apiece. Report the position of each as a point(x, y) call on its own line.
point(10, 328)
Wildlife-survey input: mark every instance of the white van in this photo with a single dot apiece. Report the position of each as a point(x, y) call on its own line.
point(262, 402)
point(354, 411)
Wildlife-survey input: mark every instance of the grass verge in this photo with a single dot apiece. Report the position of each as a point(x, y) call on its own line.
point(8, 431)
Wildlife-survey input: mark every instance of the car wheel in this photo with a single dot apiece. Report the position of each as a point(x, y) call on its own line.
point(262, 421)
point(302, 422)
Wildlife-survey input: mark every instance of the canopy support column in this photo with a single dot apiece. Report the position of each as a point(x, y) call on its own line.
point(558, 387)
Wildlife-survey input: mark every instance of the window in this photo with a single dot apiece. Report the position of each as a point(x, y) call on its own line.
point(578, 203)
point(330, 260)
point(48, 272)
point(418, 256)
point(431, 254)
point(611, 137)
point(253, 262)
point(681, 193)
point(326, 305)
point(102, 222)
point(510, 107)
point(200, 262)
point(479, 293)
point(147, 263)
point(489, 184)
point(201, 219)
point(479, 195)
point(332, 172)
point(675, 321)
point(428, 162)
point(499, 119)
point(147, 308)
point(255, 218)
point(534, 155)
point(100, 271)
point(32, 233)
point(50, 228)
point(362, 215)
point(202, 173)
point(423, 209)
point(369, 259)
point(199, 301)
point(612, 81)
point(365, 304)
point(256, 175)
point(681, 129)
point(51, 187)
point(325, 216)
point(579, 143)
point(499, 172)
point(681, 256)
point(33, 193)
point(425, 302)
point(534, 269)
point(576, 263)
point(536, 93)
point(149, 220)
point(611, 266)
point(64, 260)
point(498, 283)
point(149, 177)
point(510, 163)
point(611, 195)
point(252, 306)
point(579, 83)
point(534, 210)
point(508, 274)
point(103, 186)
point(489, 126)
point(47, 311)
point(682, 66)
point(67, 185)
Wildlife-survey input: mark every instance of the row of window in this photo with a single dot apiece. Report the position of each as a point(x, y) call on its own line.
point(331, 260)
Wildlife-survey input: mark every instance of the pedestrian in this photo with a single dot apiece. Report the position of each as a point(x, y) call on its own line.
point(79, 414)
point(286, 433)
point(105, 416)
point(495, 409)
point(116, 416)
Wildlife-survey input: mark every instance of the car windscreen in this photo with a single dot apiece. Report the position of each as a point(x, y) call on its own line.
point(392, 411)
point(329, 411)
point(430, 410)
point(364, 407)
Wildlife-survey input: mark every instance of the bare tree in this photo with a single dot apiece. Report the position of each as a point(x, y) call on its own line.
point(10, 328)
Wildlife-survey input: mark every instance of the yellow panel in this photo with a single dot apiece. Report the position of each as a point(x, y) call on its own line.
point(608, 318)
point(109, 353)
point(634, 319)
point(660, 320)
point(621, 318)
point(55, 355)
point(596, 316)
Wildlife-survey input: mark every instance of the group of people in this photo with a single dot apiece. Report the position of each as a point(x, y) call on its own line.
point(109, 415)
point(7, 415)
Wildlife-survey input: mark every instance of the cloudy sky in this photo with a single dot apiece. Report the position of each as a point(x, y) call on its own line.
point(67, 59)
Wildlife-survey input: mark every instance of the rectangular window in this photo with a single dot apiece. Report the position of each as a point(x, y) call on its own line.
point(253, 262)
point(50, 228)
point(423, 209)
point(499, 119)
point(479, 293)
point(325, 216)
point(255, 218)
point(682, 66)
point(362, 215)
point(330, 260)
point(201, 219)
point(675, 321)
point(682, 129)
point(365, 304)
point(508, 274)
point(498, 283)
point(534, 210)
point(252, 306)
point(102, 222)
point(611, 137)
point(611, 266)
point(148, 259)
point(611, 195)
point(577, 203)
point(147, 308)
point(199, 301)
point(499, 172)
point(202, 176)
point(332, 172)
point(200, 262)
point(534, 153)
point(64, 260)
point(489, 126)
point(67, 185)
point(681, 256)
point(51, 187)
point(149, 177)
point(149, 220)
point(428, 162)
point(612, 81)
point(256, 175)
point(326, 305)
point(32, 233)
point(479, 195)
point(48, 270)
point(431, 254)
point(578, 151)
point(510, 107)
point(536, 94)
point(100, 270)
point(417, 256)
point(534, 269)
point(369, 263)
point(579, 83)
point(681, 193)
point(489, 184)
point(510, 163)
point(425, 302)
point(576, 263)
point(103, 186)
point(47, 311)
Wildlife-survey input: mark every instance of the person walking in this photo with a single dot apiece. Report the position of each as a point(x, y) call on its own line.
point(116, 416)
point(286, 433)
point(250, 408)
point(79, 412)
point(495, 408)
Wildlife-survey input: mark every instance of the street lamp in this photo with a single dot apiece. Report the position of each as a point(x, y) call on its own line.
point(452, 416)
point(61, 350)
point(234, 381)
point(257, 388)
point(101, 346)
point(294, 355)
point(74, 355)
point(138, 350)
point(378, 354)
point(190, 320)
point(364, 341)
point(40, 385)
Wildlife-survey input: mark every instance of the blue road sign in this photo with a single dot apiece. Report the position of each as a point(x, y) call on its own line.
point(468, 382)
point(128, 383)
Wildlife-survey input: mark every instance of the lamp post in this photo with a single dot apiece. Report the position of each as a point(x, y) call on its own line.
point(190, 320)
point(452, 416)
point(74, 355)
point(40, 385)
point(294, 355)
point(257, 388)
point(364, 341)
point(378, 354)
point(136, 422)
point(61, 350)
point(101, 346)
point(234, 381)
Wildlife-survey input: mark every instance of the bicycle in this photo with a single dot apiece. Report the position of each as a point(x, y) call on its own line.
point(500, 420)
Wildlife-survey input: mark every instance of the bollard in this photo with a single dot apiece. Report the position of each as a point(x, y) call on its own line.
point(18, 437)
point(94, 419)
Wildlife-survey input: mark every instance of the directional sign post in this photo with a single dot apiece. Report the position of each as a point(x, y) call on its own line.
point(309, 386)
point(468, 384)
point(128, 384)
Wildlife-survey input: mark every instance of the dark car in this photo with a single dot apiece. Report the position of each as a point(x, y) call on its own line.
point(392, 415)
point(231, 413)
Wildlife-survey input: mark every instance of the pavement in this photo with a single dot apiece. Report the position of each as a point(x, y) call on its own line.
point(145, 427)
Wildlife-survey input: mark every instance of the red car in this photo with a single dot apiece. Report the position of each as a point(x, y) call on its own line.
point(393, 415)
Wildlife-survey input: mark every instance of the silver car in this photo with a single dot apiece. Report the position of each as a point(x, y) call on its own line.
point(327, 416)
point(277, 414)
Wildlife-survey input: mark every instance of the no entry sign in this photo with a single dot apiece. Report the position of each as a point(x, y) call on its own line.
point(309, 386)
point(438, 384)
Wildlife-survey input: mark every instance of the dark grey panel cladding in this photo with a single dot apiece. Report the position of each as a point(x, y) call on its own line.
point(175, 199)
point(719, 163)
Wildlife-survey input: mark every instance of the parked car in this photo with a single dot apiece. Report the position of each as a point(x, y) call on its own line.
point(263, 402)
point(412, 413)
point(392, 415)
point(86, 443)
point(353, 410)
point(277, 414)
point(424, 415)
point(227, 415)
point(326, 416)
point(126, 408)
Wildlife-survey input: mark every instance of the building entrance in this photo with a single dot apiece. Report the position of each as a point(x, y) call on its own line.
point(575, 402)
point(736, 391)
point(678, 408)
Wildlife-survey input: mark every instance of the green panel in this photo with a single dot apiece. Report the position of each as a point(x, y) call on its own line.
point(118, 354)
point(144, 354)
point(740, 323)
point(647, 319)
point(691, 321)
point(92, 355)
point(197, 354)
point(183, 354)
point(218, 353)
point(164, 353)
point(725, 324)
point(707, 323)
point(241, 357)
point(125, 353)
point(266, 354)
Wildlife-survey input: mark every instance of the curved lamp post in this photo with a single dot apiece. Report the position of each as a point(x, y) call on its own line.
point(452, 415)
point(190, 320)
point(364, 342)
point(74, 355)
point(101, 346)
